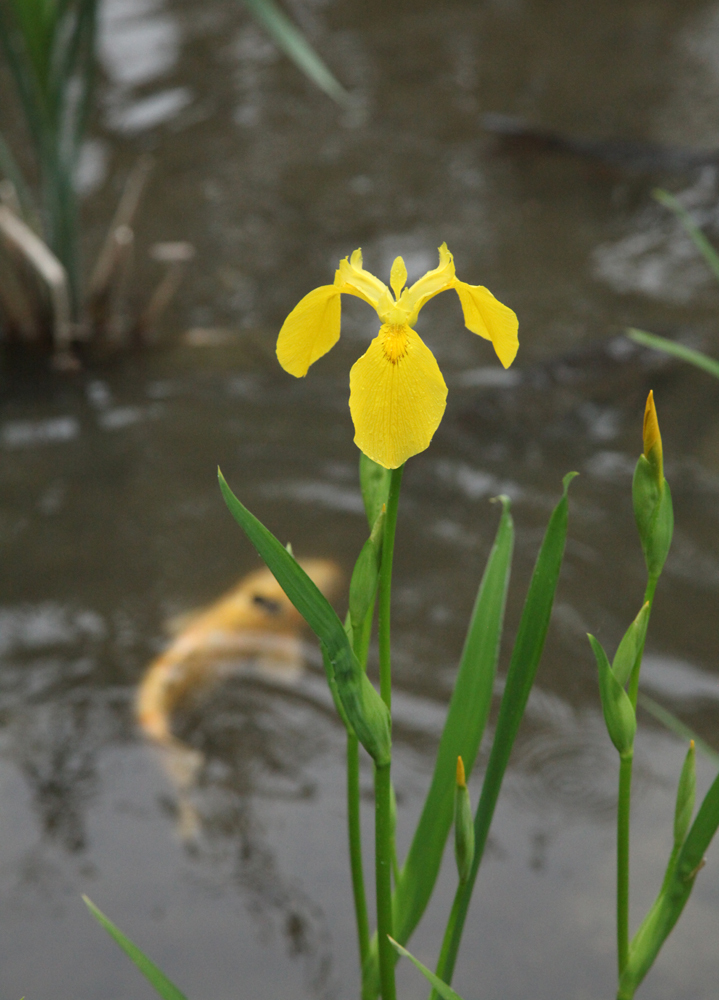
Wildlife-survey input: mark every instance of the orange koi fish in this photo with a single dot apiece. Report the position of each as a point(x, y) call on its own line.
point(253, 624)
point(254, 621)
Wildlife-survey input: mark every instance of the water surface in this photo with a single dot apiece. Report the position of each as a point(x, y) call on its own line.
point(111, 522)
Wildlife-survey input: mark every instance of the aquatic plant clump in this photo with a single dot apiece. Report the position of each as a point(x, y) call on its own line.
point(394, 419)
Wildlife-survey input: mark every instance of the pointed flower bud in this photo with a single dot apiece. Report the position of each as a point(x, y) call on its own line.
point(463, 826)
point(651, 496)
point(633, 641)
point(653, 441)
point(619, 715)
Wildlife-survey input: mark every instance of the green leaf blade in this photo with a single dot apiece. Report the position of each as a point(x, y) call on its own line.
point(676, 726)
point(630, 646)
point(366, 712)
point(687, 354)
point(526, 654)
point(619, 715)
point(155, 976)
point(294, 44)
point(462, 733)
point(445, 991)
point(698, 238)
point(672, 899)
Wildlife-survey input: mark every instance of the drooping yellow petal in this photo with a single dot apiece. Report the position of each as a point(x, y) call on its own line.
point(310, 330)
point(486, 316)
point(397, 397)
point(352, 279)
point(431, 284)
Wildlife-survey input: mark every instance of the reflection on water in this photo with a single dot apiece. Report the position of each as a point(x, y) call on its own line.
point(139, 42)
point(110, 520)
point(658, 259)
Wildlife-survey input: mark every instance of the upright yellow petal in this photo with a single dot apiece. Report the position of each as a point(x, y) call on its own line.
point(352, 279)
point(431, 284)
point(398, 276)
point(310, 330)
point(486, 316)
point(397, 397)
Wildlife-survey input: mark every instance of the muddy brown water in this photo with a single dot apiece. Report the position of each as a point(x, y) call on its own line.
point(111, 522)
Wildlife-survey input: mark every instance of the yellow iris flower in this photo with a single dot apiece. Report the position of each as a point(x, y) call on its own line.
point(397, 393)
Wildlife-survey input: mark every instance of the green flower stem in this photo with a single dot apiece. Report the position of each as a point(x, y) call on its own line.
point(385, 590)
point(383, 871)
point(624, 808)
point(361, 647)
point(355, 847)
point(384, 846)
point(633, 689)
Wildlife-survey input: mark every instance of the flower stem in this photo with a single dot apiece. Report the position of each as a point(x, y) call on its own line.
point(383, 866)
point(623, 806)
point(384, 847)
point(354, 830)
point(623, 810)
point(355, 847)
point(385, 587)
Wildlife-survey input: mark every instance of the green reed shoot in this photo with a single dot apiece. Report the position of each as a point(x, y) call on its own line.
point(155, 976)
point(49, 46)
point(619, 690)
point(618, 686)
point(711, 258)
point(294, 44)
point(50, 49)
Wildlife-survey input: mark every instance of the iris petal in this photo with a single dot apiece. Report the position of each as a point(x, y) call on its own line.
point(310, 330)
point(486, 316)
point(397, 397)
point(352, 279)
point(432, 283)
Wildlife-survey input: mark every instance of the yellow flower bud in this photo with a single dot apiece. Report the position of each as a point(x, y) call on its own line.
point(463, 826)
point(653, 440)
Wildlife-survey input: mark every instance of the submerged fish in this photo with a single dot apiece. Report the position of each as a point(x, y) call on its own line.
point(253, 621)
point(253, 624)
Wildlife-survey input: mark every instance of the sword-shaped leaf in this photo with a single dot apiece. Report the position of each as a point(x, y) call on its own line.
point(367, 713)
point(677, 887)
point(461, 736)
point(526, 655)
point(156, 977)
point(446, 992)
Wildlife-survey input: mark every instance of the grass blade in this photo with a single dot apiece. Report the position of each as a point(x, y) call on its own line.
point(697, 236)
point(291, 40)
point(676, 726)
point(11, 171)
point(156, 977)
point(520, 677)
point(678, 350)
point(677, 888)
point(461, 736)
point(19, 64)
point(366, 712)
point(462, 733)
point(446, 992)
